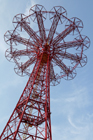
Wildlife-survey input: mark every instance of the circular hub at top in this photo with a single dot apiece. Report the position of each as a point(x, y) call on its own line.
point(54, 44)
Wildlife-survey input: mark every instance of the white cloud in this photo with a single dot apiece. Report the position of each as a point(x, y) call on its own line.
point(56, 100)
point(70, 99)
point(72, 130)
point(68, 105)
point(78, 122)
point(33, 2)
point(90, 116)
point(2, 7)
point(72, 124)
point(5, 118)
point(2, 47)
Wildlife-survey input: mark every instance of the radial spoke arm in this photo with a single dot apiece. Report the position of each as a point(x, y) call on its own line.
point(71, 44)
point(22, 40)
point(53, 28)
point(69, 56)
point(41, 25)
point(22, 52)
point(61, 64)
point(31, 32)
point(63, 34)
point(28, 63)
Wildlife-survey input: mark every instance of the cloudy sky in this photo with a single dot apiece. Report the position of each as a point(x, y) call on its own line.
point(71, 101)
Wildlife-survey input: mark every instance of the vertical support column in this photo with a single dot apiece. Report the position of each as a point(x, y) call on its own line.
point(48, 134)
point(31, 116)
point(11, 130)
point(49, 113)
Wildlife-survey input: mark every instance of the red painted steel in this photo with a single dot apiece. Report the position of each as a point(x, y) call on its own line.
point(48, 52)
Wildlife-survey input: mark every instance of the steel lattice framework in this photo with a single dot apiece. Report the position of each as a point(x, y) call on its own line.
point(49, 52)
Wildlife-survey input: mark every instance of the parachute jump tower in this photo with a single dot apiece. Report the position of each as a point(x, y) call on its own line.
point(52, 55)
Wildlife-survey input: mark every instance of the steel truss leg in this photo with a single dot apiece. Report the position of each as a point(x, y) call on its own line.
point(31, 116)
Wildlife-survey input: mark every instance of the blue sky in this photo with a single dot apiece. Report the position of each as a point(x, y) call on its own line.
point(71, 101)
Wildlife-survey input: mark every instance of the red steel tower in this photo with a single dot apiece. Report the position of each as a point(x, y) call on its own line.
point(47, 51)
